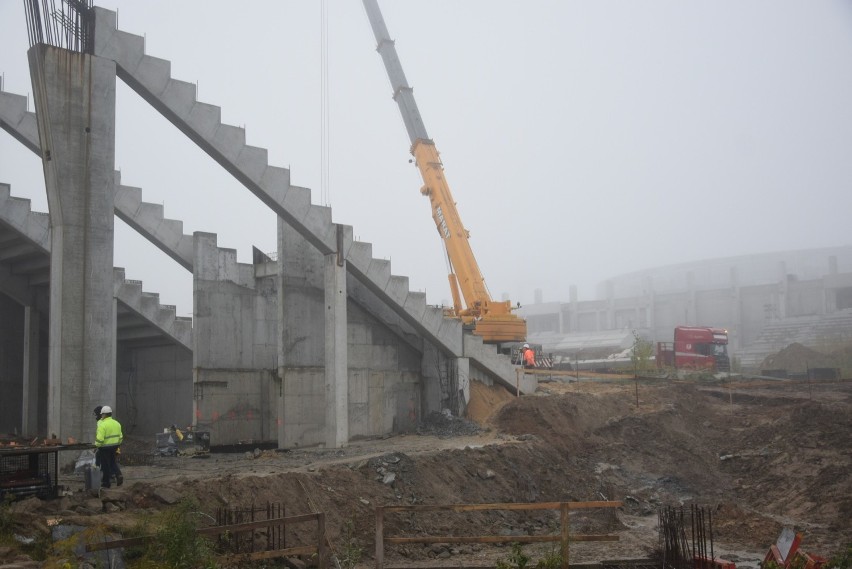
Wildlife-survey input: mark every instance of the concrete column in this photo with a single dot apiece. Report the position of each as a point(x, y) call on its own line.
point(336, 356)
point(829, 299)
point(574, 313)
point(463, 374)
point(734, 336)
point(29, 407)
point(690, 304)
point(75, 103)
point(610, 307)
point(783, 287)
point(282, 326)
point(650, 301)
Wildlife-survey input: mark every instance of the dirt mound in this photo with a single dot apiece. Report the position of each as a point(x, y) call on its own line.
point(763, 455)
point(485, 400)
point(797, 358)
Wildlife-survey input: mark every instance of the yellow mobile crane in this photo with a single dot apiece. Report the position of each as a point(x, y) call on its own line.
point(490, 319)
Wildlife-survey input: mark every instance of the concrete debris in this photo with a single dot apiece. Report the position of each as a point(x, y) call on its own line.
point(486, 474)
point(443, 425)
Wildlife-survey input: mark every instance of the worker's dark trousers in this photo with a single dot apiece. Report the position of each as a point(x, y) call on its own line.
point(109, 466)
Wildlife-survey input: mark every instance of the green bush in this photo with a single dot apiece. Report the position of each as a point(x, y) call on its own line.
point(7, 523)
point(176, 544)
point(517, 559)
point(841, 560)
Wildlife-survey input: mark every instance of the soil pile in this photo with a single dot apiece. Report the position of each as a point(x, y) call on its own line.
point(763, 456)
point(797, 358)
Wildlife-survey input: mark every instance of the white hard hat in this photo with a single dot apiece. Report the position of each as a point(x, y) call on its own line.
point(526, 345)
point(106, 409)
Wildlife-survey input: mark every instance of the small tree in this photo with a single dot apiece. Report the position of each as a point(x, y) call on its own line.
point(641, 354)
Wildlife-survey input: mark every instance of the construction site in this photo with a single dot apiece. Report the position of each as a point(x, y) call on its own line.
point(315, 411)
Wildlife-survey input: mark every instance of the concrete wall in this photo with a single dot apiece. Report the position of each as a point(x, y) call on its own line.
point(154, 389)
point(11, 364)
point(390, 385)
point(235, 347)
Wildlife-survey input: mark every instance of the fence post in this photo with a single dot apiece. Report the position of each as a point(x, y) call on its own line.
point(321, 550)
point(563, 511)
point(380, 540)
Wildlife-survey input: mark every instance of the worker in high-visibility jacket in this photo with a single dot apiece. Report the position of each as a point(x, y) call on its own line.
point(529, 356)
point(108, 437)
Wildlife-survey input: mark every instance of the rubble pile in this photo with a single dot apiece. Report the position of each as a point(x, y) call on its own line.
point(446, 425)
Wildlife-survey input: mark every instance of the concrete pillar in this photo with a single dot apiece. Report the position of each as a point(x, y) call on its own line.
point(690, 303)
point(651, 303)
point(336, 356)
point(735, 335)
point(610, 307)
point(75, 102)
point(574, 319)
point(829, 298)
point(29, 407)
point(783, 287)
point(282, 355)
point(462, 366)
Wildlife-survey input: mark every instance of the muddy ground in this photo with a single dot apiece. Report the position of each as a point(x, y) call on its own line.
point(760, 455)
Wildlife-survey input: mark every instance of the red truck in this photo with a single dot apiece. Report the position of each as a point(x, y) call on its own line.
point(697, 348)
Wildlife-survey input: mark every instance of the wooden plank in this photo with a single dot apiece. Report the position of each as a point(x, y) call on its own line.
point(496, 539)
point(380, 532)
point(287, 552)
point(322, 553)
point(563, 537)
point(503, 506)
point(565, 545)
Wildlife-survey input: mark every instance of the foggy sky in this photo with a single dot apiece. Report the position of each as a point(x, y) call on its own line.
point(581, 140)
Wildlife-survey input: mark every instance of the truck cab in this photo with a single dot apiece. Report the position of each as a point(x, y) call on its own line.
point(695, 348)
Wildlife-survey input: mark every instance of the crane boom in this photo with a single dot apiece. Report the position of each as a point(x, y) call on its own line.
point(492, 320)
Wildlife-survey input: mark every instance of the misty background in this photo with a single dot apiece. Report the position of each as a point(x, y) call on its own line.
point(581, 140)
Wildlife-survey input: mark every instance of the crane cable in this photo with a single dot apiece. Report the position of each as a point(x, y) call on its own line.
point(325, 192)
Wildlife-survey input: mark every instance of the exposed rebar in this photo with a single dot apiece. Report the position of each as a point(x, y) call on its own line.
point(68, 24)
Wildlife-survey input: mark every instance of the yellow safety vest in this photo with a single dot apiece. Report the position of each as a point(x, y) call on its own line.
point(108, 433)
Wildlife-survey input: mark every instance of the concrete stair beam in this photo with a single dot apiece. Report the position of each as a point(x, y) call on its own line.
point(275, 181)
point(226, 145)
point(128, 200)
point(153, 212)
point(179, 96)
point(17, 121)
point(379, 272)
point(360, 253)
point(129, 48)
point(147, 306)
point(148, 220)
point(229, 141)
point(297, 200)
point(253, 161)
point(318, 221)
point(204, 118)
point(17, 213)
point(397, 289)
point(415, 304)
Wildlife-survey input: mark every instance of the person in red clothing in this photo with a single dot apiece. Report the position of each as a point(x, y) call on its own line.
point(529, 356)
